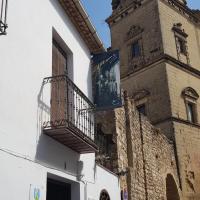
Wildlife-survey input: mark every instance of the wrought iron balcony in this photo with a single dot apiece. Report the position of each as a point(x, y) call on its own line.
point(70, 120)
point(3, 16)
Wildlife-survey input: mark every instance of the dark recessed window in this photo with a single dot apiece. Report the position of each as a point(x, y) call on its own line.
point(191, 112)
point(141, 109)
point(182, 46)
point(104, 195)
point(135, 49)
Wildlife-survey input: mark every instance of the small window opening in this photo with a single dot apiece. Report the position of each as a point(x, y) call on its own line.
point(141, 109)
point(136, 52)
point(191, 107)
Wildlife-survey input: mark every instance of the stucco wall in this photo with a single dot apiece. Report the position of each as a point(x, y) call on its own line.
point(26, 57)
point(27, 156)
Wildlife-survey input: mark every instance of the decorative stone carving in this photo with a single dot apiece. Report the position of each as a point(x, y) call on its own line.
point(178, 28)
point(140, 94)
point(115, 4)
point(190, 92)
point(134, 31)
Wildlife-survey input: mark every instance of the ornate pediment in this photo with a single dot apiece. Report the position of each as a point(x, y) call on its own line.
point(190, 92)
point(134, 31)
point(140, 94)
point(178, 29)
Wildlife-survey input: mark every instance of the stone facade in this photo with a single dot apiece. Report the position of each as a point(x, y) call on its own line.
point(159, 43)
point(143, 157)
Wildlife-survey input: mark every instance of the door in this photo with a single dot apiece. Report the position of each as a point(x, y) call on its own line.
point(58, 190)
point(58, 85)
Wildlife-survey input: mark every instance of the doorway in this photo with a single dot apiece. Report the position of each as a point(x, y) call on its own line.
point(59, 86)
point(171, 188)
point(58, 190)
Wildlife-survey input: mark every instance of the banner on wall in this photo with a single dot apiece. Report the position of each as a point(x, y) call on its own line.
point(106, 80)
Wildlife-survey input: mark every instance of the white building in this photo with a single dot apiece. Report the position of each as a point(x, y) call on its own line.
point(46, 125)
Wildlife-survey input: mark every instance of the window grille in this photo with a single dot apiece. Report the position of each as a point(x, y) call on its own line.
point(3, 16)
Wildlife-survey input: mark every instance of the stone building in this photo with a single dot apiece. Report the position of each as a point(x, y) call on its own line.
point(157, 155)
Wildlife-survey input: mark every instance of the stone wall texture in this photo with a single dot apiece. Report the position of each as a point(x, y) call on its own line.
point(160, 151)
point(143, 151)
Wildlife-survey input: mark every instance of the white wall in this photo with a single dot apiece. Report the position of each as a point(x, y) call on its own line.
point(19, 174)
point(26, 57)
point(104, 180)
point(26, 155)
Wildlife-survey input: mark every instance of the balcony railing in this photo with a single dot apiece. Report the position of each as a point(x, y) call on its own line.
point(3, 16)
point(70, 120)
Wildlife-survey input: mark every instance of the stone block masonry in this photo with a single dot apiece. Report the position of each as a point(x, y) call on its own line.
point(143, 151)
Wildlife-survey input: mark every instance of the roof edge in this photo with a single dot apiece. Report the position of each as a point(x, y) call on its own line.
point(75, 10)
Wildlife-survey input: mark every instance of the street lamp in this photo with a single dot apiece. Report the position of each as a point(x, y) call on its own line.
point(3, 16)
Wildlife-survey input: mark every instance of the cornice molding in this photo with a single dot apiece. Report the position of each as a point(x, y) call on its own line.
point(184, 10)
point(81, 21)
point(192, 15)
point(165, 58)
point(176, 119)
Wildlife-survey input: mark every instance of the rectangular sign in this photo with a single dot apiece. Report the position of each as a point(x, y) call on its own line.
point(106, 80)
point(36, 192)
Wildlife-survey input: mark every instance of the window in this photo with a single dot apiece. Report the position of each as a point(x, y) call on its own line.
point(191, 97)
point(135, 49)
point(191, 112)
point(141, 109)
point(181, 43)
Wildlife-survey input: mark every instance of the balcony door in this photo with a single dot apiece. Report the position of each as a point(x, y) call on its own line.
point(58, 85)
point(59, 60)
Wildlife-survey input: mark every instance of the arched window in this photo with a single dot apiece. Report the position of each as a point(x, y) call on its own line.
point(104, 195)
point(171, 188)
point(190, 97)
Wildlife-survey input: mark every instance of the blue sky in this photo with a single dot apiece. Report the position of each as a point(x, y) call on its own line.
point(99, 10)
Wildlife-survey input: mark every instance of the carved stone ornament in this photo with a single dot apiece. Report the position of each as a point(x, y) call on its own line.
point(134, 31)
point(115, 4)
point(177, 28)
point(140, 94)
point(190, 92)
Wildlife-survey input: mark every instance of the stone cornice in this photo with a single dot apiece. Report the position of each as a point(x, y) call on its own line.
point(165, 58)
point(181, 8)
point(184, 10)
point(122, 12)
point(176, 119)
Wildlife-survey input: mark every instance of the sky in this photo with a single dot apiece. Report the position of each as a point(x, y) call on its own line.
point(99, 10)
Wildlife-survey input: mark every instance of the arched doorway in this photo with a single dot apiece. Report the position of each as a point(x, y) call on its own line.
point(171, 188)
point(104, 195)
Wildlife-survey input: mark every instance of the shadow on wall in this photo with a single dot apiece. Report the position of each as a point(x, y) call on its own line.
point(49, 152)
point(80, 41)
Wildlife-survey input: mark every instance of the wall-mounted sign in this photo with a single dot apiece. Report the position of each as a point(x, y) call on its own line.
point(125, 194)
point(36, 193)
point(106, 80)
